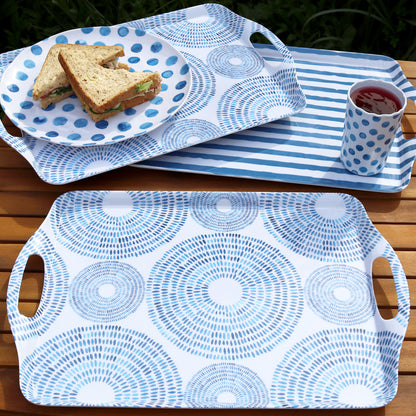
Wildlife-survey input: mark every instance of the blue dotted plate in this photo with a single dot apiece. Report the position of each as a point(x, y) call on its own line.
point(66, 123)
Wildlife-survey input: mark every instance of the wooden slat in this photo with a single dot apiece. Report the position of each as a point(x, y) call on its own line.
point(31, 203)
point(33, 282)
point(386, 210)
point(131, 178)
point(409, 68)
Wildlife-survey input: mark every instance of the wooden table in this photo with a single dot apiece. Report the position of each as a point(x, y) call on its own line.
point(25, 200)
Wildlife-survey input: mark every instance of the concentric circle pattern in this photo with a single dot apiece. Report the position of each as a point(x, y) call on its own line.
point(101, 366)
point(235, 61)
point(321, 226)
point(117, 225)
point(338, 368)
point(107, 291)
point(188, 132)
point(203, 33)
point(54, 292)
point(341, 294)
point(203, 87)
point(226, 385)
point(224, 211)
point(61, 164)
point(224, 296)
point(244, 103)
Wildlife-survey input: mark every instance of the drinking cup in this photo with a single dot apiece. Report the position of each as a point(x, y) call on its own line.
point(370, 127)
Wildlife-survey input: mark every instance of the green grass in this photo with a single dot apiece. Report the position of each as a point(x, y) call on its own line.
point(372, 26)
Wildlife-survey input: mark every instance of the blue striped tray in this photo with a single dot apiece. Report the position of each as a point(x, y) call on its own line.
point(304, 148)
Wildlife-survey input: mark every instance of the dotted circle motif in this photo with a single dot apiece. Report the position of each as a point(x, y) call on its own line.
point(327, 227)
point(130, 369)
point(184, 133)
point(265, 296)
point(244, 103)
point(337, 369)
point(341, 294)
point(224, 211)
point(124, 282)
point(235, 61)
point(95, 224)
point(226, 385)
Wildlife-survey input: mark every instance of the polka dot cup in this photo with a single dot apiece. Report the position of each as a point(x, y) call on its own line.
point(368, 137)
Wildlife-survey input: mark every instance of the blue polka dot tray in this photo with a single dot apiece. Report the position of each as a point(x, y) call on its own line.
point(229, 87)
point(66, 122)
point(208, 300)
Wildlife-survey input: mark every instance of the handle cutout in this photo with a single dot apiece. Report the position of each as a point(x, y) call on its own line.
point(31, 286)
point(258, 37)
point(384, 288)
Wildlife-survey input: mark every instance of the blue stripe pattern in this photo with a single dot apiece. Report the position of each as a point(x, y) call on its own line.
point(287, 150)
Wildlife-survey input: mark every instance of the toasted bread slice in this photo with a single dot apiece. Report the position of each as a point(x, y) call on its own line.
point(104, 92)
point(132, 102)
point(52, 85)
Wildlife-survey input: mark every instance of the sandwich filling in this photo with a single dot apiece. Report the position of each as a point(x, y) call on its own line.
point(141, 90)
point(57, 91)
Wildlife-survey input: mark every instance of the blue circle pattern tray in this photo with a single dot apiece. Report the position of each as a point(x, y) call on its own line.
point(66, 122)
point(232, 88)
point(208, 300)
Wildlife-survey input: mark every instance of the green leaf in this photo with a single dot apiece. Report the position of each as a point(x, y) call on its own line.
point(144, 87)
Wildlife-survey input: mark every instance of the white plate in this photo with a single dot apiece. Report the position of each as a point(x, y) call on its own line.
point(66, 123)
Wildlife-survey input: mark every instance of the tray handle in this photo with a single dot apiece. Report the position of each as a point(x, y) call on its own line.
point(276, 42)
point(16, 318)
point(402, 288)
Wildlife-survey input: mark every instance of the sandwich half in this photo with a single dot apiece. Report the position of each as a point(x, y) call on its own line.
point(102, 91)
point(52, 85)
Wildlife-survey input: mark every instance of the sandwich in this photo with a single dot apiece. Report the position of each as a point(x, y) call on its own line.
point(52, 85)
point(104, 92)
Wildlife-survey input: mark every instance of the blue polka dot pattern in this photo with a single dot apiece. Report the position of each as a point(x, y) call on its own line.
point(368, 155)
point(224, 211)
point(226, 385)
point(61, 118)
point(336, 368)
point(54, 292)
point(235, 61)
point(341, 294)
point(117, 225)
point(107, 291)
point(188, 283)
point(184, 133)
point(322, 226)
point(203, 88)
point(101, 366)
